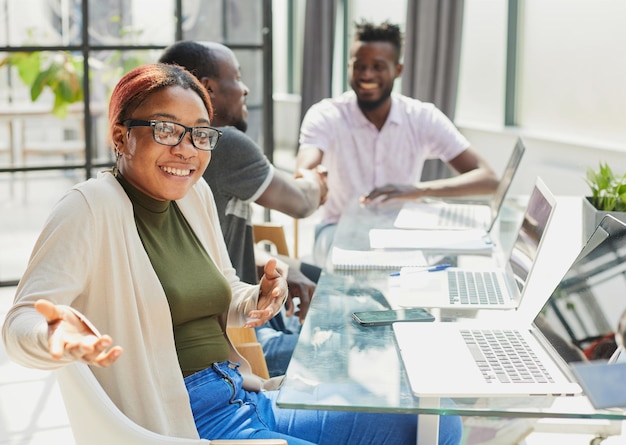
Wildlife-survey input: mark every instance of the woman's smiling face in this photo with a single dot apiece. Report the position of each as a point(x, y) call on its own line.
point(163, 172)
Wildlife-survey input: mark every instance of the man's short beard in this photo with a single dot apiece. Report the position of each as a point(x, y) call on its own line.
point(373, 104)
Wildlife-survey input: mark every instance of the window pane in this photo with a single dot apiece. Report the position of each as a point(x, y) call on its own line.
point(40, 22)
point(202, 20)
point(106, 70)
point(239, 23)
point(244, 21)
point(251, 62)
point(48, 130)
point(572, 69)
point(6, 147)
point(141, 22)
point(483, 63)
point(28, 197)
point(30, 136)
point(49, 140)
point(12, 88)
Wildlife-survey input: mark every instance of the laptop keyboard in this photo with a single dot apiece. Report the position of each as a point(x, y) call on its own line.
point(474, 287)
point(457, 216)
point(504, 356)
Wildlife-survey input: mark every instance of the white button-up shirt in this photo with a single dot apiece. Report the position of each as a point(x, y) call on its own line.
point(359, 157)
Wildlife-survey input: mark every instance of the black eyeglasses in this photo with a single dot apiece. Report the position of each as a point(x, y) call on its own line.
point(171, 133)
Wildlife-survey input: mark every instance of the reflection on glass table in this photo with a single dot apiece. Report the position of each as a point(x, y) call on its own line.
point(341, 365)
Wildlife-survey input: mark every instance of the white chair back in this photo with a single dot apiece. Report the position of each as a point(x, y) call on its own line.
point(96, 420)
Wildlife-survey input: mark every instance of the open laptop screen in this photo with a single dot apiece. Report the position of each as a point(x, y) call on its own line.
point(536, 217)
point(507, 179)
point(580, 317)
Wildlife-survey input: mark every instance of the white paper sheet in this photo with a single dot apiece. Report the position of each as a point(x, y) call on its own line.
point(447, 240)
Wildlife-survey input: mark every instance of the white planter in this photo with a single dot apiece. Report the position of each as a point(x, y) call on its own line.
point(593, 216)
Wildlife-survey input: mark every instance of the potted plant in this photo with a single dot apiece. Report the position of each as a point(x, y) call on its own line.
point(608, 196)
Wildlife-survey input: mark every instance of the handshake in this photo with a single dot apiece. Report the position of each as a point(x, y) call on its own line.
point(317, 174)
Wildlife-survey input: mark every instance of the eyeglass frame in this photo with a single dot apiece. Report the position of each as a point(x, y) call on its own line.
point(132, 123)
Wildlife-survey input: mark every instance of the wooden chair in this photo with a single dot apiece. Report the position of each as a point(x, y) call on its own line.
point(96, 420)
point(296, 238)
point(248, 345)
point(272, 234)
point(245, 339)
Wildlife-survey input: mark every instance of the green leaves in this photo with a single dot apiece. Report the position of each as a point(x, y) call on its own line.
point(608, 191)
point(27, 64)
point(59, 71)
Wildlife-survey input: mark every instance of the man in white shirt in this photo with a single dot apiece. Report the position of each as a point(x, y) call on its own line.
point(374, 142)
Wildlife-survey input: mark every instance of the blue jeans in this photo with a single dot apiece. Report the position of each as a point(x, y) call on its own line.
point(222, 409)
point(278, 337)
point(278, 344)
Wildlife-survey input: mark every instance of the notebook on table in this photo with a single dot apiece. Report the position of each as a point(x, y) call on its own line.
point(364, 260)
point(485, 288)
point(449, 215)
point(560, 336)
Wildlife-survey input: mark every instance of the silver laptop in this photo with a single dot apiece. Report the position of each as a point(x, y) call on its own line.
point(584, 307)
point(486, 287)
point(447, 215)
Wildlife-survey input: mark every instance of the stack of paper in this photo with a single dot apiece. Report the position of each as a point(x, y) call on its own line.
point(435, 240)
point(345, 259)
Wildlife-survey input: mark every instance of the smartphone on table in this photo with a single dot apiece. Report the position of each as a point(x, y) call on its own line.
point(388, 316)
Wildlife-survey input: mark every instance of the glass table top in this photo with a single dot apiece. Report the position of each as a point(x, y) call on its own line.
point(340, 365)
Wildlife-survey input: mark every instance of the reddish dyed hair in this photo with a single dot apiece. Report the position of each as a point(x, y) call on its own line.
point(140, 83)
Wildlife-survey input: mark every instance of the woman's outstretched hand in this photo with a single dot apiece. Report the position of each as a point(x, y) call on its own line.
point(271, 297)
point(69, 336)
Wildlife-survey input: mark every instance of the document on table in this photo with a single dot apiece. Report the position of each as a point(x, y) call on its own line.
point(346, 259)
point(438, 240)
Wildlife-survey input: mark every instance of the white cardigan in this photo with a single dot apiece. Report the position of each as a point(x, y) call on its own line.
point(89, 256)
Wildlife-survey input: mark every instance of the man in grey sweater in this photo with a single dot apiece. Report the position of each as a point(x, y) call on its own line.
point(239, 174)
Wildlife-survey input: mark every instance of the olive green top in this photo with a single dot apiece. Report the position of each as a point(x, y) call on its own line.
point(196, 290)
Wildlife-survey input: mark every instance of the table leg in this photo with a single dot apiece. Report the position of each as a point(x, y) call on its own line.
point(428, 424)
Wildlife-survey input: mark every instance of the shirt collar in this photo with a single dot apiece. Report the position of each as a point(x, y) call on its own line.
point(359, 119)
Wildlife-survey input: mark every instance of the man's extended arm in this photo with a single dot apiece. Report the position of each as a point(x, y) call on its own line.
point(475, 177)
point(297, 197)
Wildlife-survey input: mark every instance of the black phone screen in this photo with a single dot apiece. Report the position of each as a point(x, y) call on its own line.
point(385, 317)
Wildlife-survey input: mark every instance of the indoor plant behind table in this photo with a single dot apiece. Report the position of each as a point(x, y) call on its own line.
point(608, 196)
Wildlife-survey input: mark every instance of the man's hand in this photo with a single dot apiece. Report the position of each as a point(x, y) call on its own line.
point(273, 291)
point(319, 174)
point(389, 192)
point(299, 287)
point(68, 335)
